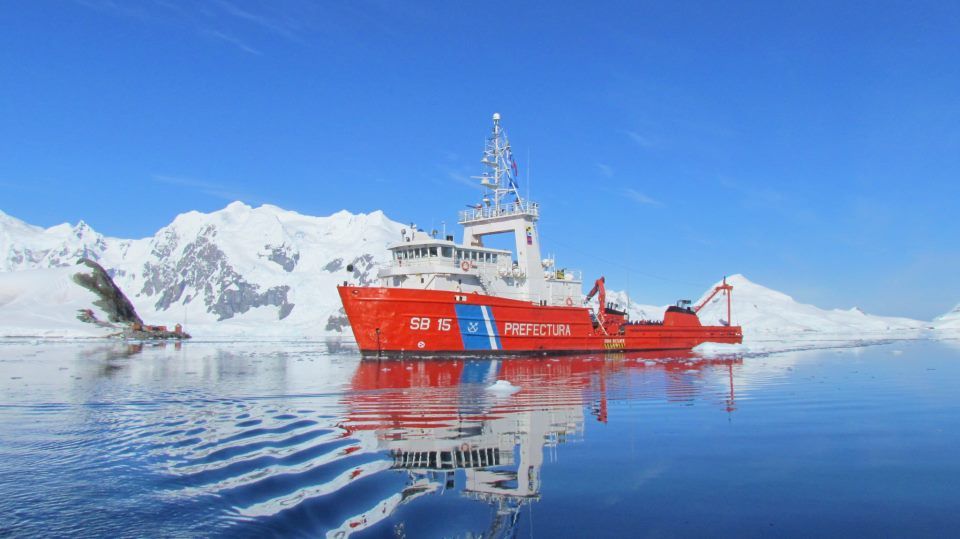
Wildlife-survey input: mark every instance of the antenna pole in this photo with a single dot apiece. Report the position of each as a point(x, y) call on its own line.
point(528, 173)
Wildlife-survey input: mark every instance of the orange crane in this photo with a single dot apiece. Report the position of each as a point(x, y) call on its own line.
point(719, 288)
point(602, 299)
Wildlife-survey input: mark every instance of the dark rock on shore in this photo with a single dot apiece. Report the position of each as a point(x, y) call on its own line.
point(112, 300)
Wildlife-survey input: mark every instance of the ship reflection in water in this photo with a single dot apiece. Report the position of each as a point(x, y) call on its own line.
point(450, 431)
point(266, 440)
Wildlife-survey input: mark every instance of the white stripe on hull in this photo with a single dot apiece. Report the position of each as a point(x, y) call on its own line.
point(490, 333)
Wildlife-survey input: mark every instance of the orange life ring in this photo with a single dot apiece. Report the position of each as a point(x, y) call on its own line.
point(569, 302)
point(465, 266)
point(464, 448)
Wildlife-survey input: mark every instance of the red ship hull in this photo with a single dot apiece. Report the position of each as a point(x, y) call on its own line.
point(424, 322)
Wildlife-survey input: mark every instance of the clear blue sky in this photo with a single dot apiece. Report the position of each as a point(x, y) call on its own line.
point(814, 148)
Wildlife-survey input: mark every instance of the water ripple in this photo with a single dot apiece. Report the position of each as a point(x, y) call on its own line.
point(248, 444)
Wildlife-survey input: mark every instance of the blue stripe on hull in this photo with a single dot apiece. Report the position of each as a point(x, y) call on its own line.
point(478, 329)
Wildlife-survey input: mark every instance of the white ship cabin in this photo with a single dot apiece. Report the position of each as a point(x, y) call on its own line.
point(421, 260)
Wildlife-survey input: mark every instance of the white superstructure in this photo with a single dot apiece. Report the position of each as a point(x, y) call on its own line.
point(423, 261)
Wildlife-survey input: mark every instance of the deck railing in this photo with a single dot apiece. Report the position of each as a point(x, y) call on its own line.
point(564, 275)
point(490, 212)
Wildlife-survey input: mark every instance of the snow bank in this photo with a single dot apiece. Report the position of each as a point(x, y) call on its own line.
point(46, 302)
point(715, 349)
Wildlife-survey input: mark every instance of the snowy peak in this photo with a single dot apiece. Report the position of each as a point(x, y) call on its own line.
point(235, 270)
point(264, 264)
point(763, 311)
point(950, 320)
point(745, 286)
point(11, 225)
point(24, 246)
point(953, 313)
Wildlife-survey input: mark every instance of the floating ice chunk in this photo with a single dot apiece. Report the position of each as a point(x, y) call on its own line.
point(503, 386)
point(718, 349)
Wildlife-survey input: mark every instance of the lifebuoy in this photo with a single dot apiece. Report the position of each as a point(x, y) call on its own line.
point(465, 266)
point(464, 448)
point(569, 302)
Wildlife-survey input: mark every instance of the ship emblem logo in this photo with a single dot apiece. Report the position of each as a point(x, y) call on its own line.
point(472, 327)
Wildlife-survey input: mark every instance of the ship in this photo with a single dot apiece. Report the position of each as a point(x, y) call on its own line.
point(440, 297)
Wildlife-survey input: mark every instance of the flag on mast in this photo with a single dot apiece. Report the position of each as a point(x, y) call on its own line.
point(514, 173)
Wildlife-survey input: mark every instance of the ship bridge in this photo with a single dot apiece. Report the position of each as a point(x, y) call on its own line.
point(423, 261)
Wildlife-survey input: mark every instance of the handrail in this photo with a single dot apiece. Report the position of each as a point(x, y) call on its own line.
point(514, 208)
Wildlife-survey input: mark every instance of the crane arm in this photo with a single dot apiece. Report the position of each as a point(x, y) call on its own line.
point(598, 287)
point(719, 288)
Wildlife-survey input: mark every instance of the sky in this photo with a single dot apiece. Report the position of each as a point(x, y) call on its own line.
point(813, 147)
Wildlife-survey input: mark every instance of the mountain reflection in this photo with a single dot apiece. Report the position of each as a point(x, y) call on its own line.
point(440, 423)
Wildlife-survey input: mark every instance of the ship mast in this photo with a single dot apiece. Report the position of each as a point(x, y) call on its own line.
point(504, 211)
point(501, 174)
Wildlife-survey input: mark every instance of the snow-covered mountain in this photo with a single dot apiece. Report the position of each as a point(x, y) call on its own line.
point(238, 271)
point(24, 246)
point(949, 321)
point(270, 272)
point(766, 313)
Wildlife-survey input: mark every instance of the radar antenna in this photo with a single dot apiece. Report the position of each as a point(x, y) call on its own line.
point(501, 174)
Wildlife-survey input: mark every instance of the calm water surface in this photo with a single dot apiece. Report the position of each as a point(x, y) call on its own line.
point(307, 440)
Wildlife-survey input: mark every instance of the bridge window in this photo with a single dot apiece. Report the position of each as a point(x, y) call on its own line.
point(433, 251)
point(493, 258)
point(446, 252)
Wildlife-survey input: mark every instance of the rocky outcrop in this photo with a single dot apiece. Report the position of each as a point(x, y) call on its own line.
point(284, 256)
point(338, 322)
point(205, 269)
point(364, 269)
point(112, 300)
